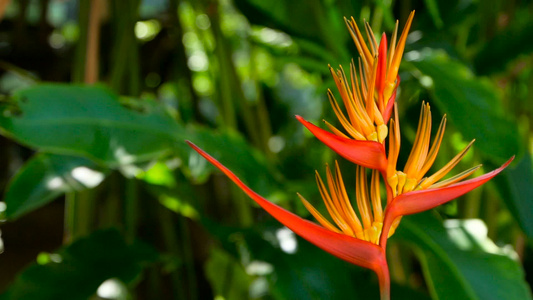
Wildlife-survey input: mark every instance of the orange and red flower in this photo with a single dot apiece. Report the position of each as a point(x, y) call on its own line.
point(369, 100)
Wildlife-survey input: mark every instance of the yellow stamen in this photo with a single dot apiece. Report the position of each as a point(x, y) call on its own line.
point(392, 46)
point(335, 215)
point(395, 64)
point(359, 41)
point(394, 146)
point(317, 215)
point(375, 195)
point(419, 151)
point(371, 39)
point(369, 99)
point(432, 155)
point(344, 95)
point(447, 168)
point(402, 177)
point(355, 84)
point(335, 130)
point(362, 197)
point(352, 130)
point(455, 178)
point(337, 196)
point(343, 195)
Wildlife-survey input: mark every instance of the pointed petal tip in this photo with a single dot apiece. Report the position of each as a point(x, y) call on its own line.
point(422, 200)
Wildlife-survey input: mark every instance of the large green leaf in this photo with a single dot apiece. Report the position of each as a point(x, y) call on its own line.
point(235, 282)
point(470, 103)
point(46, 176)
point(460, 262)
point(89, 121)
point(506, 46)
point(515, 186)
point(280, 15)
point(77, 270)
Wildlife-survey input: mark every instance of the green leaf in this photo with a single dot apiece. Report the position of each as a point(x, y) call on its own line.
point(77, 270)
point(47, 176)
point(505, 47)
point(234, 152)
point(433, 9)
point(471, 104)
point(227, 276)
point(280, 15)
point(460, 262)
point(89, 121)
point(516, 191)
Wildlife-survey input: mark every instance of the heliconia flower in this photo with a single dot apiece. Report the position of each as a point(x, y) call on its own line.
point(340, 208)
point(409, 190)
point(368, 99)
point(376, 57)
point(342, 243)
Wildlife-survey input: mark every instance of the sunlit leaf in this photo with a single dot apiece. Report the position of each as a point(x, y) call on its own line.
point(433, 9)
point(471, 104)
point(515, 186)
point(89, 121)
point(235, 283)
point(46, 176)
point(469, 270)
point(505, 47)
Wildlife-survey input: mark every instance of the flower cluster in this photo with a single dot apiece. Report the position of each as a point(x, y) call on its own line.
point(370, 116)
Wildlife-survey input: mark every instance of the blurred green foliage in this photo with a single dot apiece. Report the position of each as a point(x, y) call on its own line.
point(78, 159)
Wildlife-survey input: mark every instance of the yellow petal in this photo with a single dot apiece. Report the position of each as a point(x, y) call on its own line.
point(318, 216)
point(447, 168)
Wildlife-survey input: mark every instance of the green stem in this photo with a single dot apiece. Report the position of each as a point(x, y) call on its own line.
point(112, 205)
point(472, 204)
point(189, 257)
point(226, 96)
point(164, 216)
point(125, 52)
point(70, 217)
point(263, 119)
point(134, 69)
point(491, 212)
point(131, 203)
point(230, 84)
point(377, 18)
point(79, 214)
point(397, 269)
point(244, 209)
point(384, 280)
point(78, 72)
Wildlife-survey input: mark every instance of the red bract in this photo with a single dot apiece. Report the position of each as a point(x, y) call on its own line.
point(368, 154)
point(350, 249)
point(421, 200)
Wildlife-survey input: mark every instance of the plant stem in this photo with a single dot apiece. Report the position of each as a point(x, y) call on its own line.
point(189, 257)
point(130, 210)
point(164, 216)
point(384, 280)
point(93, 42)
point(78, 72)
